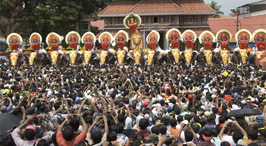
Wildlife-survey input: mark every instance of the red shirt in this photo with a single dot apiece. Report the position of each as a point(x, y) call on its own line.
point(62, 142)
point(144, 133)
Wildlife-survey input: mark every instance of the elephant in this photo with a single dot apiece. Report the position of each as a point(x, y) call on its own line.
point(253, 56)
point(107, 57)
point(188, 57)
point(42, 59)
point(90, 57)
point(136, 57)
point(59, 58)
point(16, 59)
point(153, 57)
point(237, 58)
point(121, 56)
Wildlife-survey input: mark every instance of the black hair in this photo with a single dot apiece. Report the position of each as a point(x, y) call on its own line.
point(29, 134)
point(96, 137)
point(225, 143)
point(111, 136)
point(237, 135)
point(188, 136)
point(155, 129)
point(253, 134)
point(68, 133)
point(42, 142)
point(119, 127)
point(143, 123)
point(173, 122)
point(162, 129)
point(74, 123)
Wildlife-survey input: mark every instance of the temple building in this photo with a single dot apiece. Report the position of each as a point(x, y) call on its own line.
point(160, 15)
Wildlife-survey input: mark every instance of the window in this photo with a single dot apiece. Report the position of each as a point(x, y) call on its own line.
point(155, 19)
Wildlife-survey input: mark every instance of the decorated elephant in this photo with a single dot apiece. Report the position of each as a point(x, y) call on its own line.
point(14, 40)
point(173, 37)
point(35, 41)
point(154, 54)
point(59, 58)
point(136, 57)
point(41, 58)
point(243, 38)
point(188, 57)
point(224, 38)
point(17, 58)
point(120, 40)
point(206, 38)
point(188, 37)
point(89, 40)
point(107, 55)
point(259, 38)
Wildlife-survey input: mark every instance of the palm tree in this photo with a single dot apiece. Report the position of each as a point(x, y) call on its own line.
point(217, 8)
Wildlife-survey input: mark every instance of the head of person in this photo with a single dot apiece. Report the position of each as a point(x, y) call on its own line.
point(42, 142)
point(96, 137)
point(173, 122)
point(143, 124)
point(237, 135)
point(29, 132)
point(111, 136)
point(68, 133)
point(162, 129)
point(74, 123)
point(206, 134)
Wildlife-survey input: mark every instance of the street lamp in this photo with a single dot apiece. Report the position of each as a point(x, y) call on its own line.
point(236, 11)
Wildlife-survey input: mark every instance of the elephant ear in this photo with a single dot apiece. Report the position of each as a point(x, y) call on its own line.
point(130, 54)
point(7, 58)
point(22, 58)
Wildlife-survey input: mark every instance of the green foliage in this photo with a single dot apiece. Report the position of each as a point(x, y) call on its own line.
point(95, 30)
point(45, 16)
point(217, 8)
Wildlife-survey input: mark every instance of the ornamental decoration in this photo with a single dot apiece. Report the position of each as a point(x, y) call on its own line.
point(152, 39)
point(89, 40)
point(35, 41)
point(121, 38)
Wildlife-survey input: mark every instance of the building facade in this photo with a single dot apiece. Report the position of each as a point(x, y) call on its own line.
point(159, 15)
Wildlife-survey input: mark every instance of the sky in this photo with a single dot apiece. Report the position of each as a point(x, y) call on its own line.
point(228, 4)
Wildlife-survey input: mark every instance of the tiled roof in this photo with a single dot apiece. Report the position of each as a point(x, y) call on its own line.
point(119, 7)
point(252, 24)
point(157, 6)
point(98, 23)
point(194, 6)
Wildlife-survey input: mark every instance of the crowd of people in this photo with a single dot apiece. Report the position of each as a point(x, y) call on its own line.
point(129, 105)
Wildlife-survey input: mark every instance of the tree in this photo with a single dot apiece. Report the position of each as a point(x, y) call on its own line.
point(217, 8)
point(45, 16)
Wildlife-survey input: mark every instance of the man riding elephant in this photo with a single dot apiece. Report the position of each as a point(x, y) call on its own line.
point(153, 54)
point(89, 40)
point(243, 38)
point(259, 38)
point(173, 37)
point(107, 53)
point(121, 38)
point(188, 37)
point(53, 40)
point(132, 21)
point(17, 57)
point(224, 37)
point(73, 40)
point(206, 38)
point(35, 41)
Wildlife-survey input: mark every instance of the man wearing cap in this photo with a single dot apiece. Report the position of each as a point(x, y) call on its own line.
point(153, 138)
point(29, 134)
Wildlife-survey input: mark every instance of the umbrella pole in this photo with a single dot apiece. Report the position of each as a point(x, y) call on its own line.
point(245, 123)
